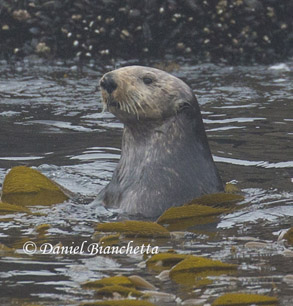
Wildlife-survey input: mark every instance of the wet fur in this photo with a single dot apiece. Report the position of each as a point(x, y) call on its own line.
point(165, 159)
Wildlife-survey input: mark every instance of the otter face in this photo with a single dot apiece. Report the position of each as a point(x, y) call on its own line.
point(137, 93)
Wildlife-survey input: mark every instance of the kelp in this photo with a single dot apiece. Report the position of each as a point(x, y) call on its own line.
point(244, 299)
point(135, 229)
point(27, 186)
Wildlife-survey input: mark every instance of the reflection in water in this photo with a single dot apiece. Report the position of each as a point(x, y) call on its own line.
point(51, 118)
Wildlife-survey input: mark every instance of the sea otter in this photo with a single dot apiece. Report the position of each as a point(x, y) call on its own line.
point(165, 159)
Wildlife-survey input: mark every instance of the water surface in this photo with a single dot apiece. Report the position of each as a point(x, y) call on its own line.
point(51, 118)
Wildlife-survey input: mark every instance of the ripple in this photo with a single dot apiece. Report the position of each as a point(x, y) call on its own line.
point(52, 120)
point(21, 158)
point(263, 164)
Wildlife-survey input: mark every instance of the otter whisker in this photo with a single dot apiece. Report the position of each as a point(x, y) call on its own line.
point(121, 105)
point(141, 107)
point(123, 108)
point(148, 104)
point(105, 104)
point(105, 108)
point(136, 102)
point(127, 108)
point(136, 111)
point(131, 106)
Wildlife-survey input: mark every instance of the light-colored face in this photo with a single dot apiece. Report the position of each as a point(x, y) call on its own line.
point(136, 93)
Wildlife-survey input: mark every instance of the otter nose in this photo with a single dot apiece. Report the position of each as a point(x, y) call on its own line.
point(108, 83)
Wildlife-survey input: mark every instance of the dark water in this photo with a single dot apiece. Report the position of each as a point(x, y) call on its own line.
point(51, 118)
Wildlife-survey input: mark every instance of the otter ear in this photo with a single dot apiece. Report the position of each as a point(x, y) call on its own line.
point(183, 105)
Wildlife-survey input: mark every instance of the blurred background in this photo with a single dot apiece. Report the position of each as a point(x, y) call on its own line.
point(237, 31)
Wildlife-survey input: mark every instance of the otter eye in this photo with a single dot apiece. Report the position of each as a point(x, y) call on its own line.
point(147, 80)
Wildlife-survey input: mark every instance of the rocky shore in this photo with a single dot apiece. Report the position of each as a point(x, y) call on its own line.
point(239, 31)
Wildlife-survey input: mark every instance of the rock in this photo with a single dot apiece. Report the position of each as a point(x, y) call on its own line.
point(42, 48)
point(236, 32)
point(21, 15)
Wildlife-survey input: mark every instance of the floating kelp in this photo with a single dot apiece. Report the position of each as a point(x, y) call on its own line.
point(244, 299)
point(195, 211)
point(42, 228)
point(194, 270)
point(164, 275)
point(160, 297)
point(6, 208)
point(29, 304)
point(118, 280)
point(140, 282)
point(111, 291)
point(256, 245)
point(119, 284)
point(289, 236)
point(5, 250)
point(119, 303)
point(164, 261)
point(202, 210)
point(231, 188)
point(135, 229)
point(110, 240)
point(29, 243)
point(26, 186)
point(217, 199)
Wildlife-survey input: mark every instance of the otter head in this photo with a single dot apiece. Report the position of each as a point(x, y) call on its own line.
point(135, 94)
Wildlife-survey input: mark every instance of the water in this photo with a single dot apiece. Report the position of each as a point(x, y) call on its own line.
point(51, 118)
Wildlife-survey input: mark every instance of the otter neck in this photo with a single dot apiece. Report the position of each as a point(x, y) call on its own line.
point(162, 142)
point(162, 164)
